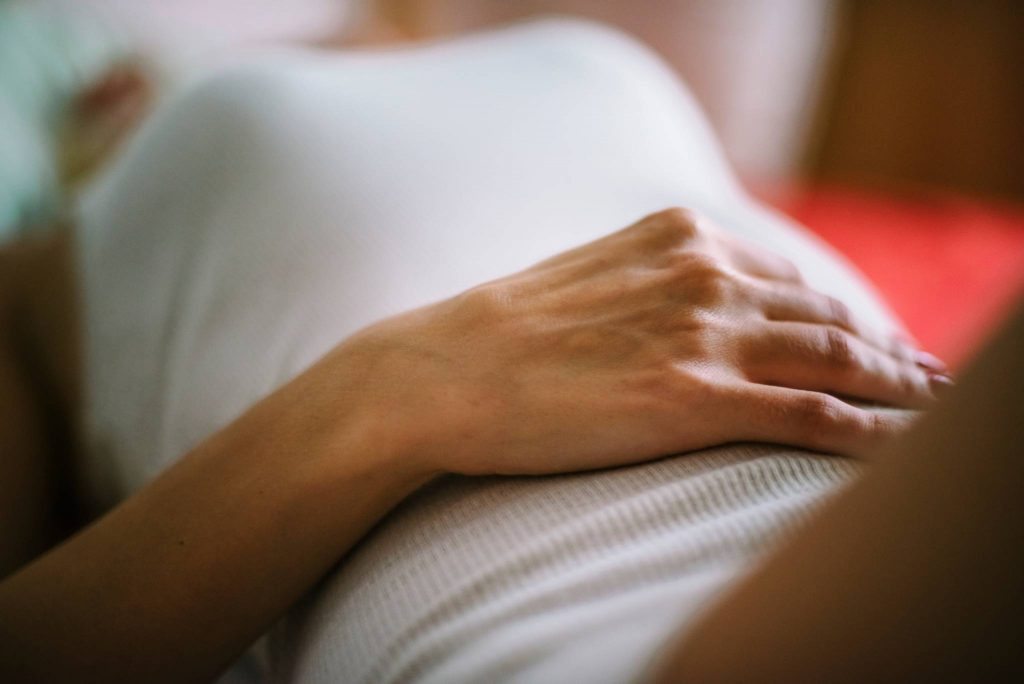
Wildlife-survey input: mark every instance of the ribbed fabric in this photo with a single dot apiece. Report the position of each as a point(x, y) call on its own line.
point(275, 209)
point(570, 578)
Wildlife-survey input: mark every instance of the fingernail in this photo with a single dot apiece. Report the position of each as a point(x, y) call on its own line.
point(939, 382)
point(930, 362)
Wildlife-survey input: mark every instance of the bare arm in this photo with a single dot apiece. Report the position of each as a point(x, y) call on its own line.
point(202, 560)
point(664, 337)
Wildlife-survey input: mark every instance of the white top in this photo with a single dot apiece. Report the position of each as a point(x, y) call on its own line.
point(276, 208)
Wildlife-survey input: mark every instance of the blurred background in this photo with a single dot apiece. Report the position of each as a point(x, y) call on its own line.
point(890, 127)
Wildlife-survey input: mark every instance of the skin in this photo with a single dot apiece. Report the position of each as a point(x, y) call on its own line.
point(670, 333)
point(38, 398)
point(912, 575)
point(654, 340)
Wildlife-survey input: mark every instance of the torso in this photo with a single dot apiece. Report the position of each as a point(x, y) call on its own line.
point(278, 208)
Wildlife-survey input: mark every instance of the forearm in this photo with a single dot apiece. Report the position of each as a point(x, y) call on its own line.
point(176, 582)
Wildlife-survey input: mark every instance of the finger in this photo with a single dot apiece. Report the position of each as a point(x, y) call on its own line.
point(813, 420)
point(795, 303)
point(825, 358)
point(758, 261)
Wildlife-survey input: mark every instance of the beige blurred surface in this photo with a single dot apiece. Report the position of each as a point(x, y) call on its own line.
point(927, 93)
point(889, 93)
point(755, 65)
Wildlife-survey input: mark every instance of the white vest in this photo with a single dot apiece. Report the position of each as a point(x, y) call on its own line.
point(274, 209)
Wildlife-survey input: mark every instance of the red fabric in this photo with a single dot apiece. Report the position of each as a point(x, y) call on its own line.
point(949, 266)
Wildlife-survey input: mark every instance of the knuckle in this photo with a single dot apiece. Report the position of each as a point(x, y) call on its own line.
point(671, 226)
point(692, 264)
point(838, 350)
point(791, 270)
point(911, 384)
point(702, 277)
point(816, 413)
point(897, 349)
point(702, 329)
point(680, 219)
point(714, 285)
point(490, 301)
point(878, 426)
point(839, 312)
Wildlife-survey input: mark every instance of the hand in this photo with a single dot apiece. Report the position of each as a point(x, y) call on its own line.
point(664, 337)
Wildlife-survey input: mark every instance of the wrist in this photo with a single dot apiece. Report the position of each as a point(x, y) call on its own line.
point(384, 442)
point(342, 408)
